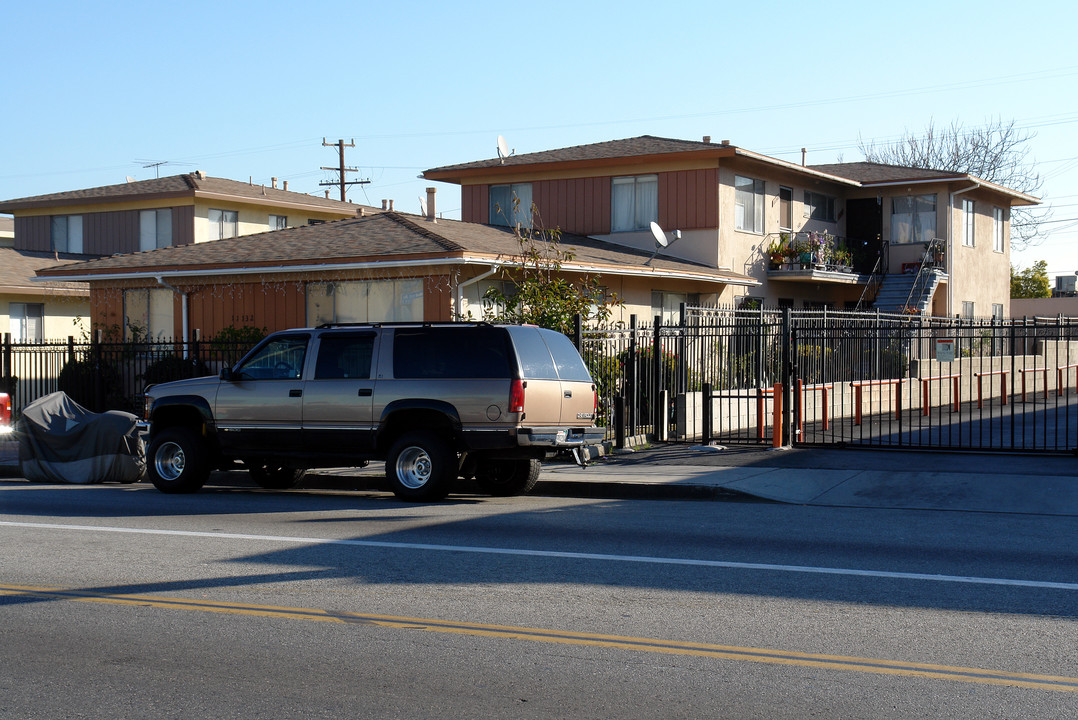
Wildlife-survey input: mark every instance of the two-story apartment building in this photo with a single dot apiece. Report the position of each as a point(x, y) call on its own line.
point(133, 217)
point(813, 236)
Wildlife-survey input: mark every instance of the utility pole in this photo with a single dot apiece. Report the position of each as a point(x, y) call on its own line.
point(341, 169)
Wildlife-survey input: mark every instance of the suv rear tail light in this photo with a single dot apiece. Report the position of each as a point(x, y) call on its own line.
point(5, 412)
point(516, 396)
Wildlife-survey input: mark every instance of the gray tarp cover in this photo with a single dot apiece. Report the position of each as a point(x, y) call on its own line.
point(61, 441)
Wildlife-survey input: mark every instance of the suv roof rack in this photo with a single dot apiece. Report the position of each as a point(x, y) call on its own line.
point(407, 323)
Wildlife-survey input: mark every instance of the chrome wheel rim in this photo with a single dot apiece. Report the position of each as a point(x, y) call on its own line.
point(169, 461)
point(414, 467)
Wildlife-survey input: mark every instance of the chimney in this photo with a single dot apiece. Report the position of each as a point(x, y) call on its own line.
point(390, 204)
point(327, 194)
point(707, 138)
point(286, 185)
point(430, 204)
point(274, 183)
point(725, 142)
point(804, 156)
point(384, 203)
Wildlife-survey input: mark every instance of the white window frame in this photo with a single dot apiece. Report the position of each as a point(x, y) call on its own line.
point(634, 202)
point(914, 229)
point(278, 222)
point(65, 233)
point(999, 241)
point(224, 224)
point(969, 214)
point(997, 311)
point(26, 322)
point(748, 216)
point(518, 201)
point(155, 229)
point(968, 310)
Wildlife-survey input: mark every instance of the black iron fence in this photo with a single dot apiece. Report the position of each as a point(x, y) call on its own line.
point(840, 378)
point(102, 375)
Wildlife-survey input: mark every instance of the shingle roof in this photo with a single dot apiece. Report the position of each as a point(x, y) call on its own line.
point(18, 266)
point(629, 147)
point(868, 172)
point(383, 237)
point(190, 184)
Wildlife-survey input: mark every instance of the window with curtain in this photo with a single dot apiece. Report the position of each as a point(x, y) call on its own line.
point(748, 204)
point(148, 314)
point(913, 219)
point(278, 222)
point(786, 215)
point(393, 300)
point(26, 322)
point(66, 233)
point(223, 224)
point(634, 202)
point(968, 238)
point(511, 204)
point(155, 229)
point(999, 243)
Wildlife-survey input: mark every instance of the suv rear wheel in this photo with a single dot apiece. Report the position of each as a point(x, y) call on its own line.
point(421, 466)
point(178, 461)
point(507, 477)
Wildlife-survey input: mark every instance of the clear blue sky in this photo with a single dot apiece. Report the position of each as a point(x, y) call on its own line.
point(248, 90)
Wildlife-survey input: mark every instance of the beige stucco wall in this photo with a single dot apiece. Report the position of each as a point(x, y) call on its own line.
point(253, 219)
point(64, 316)
point(979, 274)
point(1045, 307)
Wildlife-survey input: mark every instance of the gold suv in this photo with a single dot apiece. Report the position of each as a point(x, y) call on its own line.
point(435, 401)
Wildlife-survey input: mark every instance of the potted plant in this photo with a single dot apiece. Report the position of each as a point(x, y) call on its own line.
point(777, 250)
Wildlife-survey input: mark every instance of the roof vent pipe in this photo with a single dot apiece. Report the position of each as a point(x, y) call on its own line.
point(804, 156)
point(384, 203)
point(391, 204)
point(274, 183)
point(725, 142)
point(707, 138)
point(286, 185)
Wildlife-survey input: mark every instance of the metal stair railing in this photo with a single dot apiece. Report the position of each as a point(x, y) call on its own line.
point(929, 263)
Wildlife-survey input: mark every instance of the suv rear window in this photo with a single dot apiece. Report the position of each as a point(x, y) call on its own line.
point(445, 352)
point(566, 358)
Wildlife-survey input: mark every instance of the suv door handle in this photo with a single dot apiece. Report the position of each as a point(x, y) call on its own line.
point(365, 392)
point(295, 393)
point(568, 393)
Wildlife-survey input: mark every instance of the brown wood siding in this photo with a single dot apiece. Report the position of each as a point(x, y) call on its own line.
point(689, 199)
point(183, 225)
point(107, 233)
point(272, 305)
point(475, 200)
point(576, 205)
point(33, 233)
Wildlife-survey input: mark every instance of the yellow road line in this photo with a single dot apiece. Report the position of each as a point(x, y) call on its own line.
point(636, 644)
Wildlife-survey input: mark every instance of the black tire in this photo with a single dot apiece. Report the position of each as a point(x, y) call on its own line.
point(178, 461)
point(273, 476)
point(507, 477)
point(421, 467)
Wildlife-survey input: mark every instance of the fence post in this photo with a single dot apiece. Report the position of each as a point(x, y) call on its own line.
point(657, 414)
point(786, 384)
point(578, 333)
point(99, 390)
point(706, 430)
point(70, 349)
point(6, 368)
point(196, 336)
point(631, 376)
point(619, 422)
point(682, 364)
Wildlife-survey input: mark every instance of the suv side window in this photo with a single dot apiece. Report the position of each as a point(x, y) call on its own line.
point(566, 358)
point(443, 352)
point(533, 354)
point(344, 355)
point(280, 358)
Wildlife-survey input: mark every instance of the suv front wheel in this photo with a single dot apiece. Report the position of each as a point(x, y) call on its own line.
point(421, 466)
point(178, 461)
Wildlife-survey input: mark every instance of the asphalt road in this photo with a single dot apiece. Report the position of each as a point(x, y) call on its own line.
point(119, 601)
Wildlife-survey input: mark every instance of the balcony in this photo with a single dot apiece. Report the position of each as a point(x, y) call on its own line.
point(813, 257)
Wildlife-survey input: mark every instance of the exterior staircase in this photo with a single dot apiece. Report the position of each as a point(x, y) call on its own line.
point(908, 290)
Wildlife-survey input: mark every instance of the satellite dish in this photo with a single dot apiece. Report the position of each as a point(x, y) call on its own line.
point(659, 235)
point(130, 179)
point(503, 149)
point(422, 206)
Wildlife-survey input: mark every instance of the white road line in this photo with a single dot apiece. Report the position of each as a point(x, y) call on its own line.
point(646, 559)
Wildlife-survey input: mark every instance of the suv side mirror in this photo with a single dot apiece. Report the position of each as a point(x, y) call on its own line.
point(226, 374)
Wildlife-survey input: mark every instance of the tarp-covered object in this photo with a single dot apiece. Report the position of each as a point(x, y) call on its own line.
point(61, 441)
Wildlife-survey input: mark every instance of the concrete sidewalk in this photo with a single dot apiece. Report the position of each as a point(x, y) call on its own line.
point(974, 482)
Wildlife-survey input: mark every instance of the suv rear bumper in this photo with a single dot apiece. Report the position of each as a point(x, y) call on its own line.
point(560, 437)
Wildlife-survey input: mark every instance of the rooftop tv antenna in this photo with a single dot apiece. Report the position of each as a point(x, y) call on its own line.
point(503, 150)
point(660, 240)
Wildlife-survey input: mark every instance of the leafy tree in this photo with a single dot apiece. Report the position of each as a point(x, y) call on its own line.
point(996, 152)
point(539, 293)
point(1031, 282)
